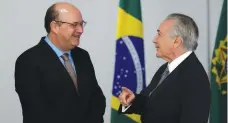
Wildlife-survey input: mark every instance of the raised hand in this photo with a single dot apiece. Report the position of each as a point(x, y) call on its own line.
point(126, 96)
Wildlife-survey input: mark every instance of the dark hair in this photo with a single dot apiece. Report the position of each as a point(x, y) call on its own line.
point(51, 14)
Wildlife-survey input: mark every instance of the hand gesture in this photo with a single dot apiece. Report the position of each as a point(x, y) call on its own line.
point(126, 96)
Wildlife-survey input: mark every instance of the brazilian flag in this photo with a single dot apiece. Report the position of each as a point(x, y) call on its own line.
point(129, 58)
point(219, 76)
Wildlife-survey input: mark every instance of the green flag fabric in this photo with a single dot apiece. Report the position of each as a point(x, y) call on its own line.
point(218, 113)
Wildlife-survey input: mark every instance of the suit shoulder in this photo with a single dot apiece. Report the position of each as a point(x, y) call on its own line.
point(194, 71)
point(192, 63)
point(199, 70)
point(79, 49)
point(80, 52)
point(28, 54)
point(196, 66)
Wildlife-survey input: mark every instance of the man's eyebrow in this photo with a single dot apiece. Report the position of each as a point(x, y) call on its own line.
point(78, 22)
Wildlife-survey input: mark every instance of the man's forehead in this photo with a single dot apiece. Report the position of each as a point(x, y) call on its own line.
point(169, 22)
point(166, 25)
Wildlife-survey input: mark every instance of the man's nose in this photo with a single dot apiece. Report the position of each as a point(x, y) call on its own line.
point(79, 29)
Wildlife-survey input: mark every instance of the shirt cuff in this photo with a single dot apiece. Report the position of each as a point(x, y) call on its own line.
point(124, 108)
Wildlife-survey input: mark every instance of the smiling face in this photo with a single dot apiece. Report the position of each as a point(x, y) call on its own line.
point(68, 27)
point(164, 43)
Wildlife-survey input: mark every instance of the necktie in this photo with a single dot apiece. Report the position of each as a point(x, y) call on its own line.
point(70, 69)
point(164, 75)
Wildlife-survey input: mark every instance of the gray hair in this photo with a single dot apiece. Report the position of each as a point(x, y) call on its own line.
point(186, 28)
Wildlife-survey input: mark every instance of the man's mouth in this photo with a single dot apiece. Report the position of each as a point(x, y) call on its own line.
point(77, 36)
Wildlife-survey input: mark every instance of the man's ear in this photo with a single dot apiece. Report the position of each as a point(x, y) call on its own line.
point(178, 42)
point(54, 27)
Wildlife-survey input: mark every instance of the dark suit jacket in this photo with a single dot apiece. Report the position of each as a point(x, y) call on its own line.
point(183, 97)
point(47, 93)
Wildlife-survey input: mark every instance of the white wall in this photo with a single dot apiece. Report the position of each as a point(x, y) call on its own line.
point(21, 23)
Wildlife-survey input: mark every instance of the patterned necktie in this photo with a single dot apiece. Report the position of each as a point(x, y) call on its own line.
point(70, 69)
point(164, 75)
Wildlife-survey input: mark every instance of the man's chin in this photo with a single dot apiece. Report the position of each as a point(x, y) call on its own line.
point(75, 43)
point(157, 55)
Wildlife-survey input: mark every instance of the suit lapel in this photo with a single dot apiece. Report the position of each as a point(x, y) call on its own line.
point(173, 76)
point(80, 63)
point(170, 78)
point(53, 63)
point(76, 59)
point(157, 77)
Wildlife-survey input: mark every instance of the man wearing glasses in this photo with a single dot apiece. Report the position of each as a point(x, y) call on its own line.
point(55, 79)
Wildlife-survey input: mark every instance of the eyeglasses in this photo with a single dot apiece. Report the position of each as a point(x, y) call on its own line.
point(75, 24)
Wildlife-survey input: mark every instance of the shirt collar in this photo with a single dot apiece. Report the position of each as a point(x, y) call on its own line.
point(58, 52)
point(178, 60)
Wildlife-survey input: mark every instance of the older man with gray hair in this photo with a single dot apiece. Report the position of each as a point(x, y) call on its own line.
point(179, 91)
